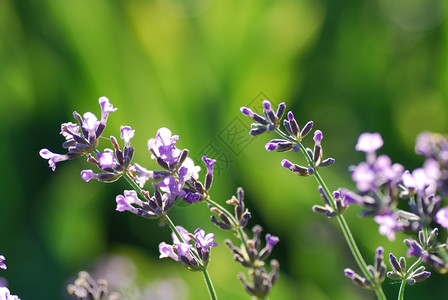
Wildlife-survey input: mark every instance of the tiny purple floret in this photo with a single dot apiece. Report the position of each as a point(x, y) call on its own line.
point(86, 175)
point(2, 264)
point(318, 137)
point(286, 164)
point(442, 217)
point(204, 241)
point(369, 142)
point(126, 135)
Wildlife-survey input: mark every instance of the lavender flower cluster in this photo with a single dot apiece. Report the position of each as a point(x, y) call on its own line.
point(5, 294)
point(176, 180)
point(380, 187)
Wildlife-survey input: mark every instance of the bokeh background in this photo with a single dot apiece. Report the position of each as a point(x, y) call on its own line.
point(351, 66)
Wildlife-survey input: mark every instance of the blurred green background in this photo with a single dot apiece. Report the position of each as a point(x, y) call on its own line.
point(351, 66)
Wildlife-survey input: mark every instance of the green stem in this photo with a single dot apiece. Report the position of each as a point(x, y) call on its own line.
point(341, 220)
point(408, 272)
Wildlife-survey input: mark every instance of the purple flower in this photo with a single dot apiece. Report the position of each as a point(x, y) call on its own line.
point(86, 175)
point(5, 294)
point(143, 174)
point(183, 233)
point(203, 241)
point(415, 249)
point(183, 249)
point(369, 142)
point(54, 158)
point(90, 123)
point(172, 187)
point(68, 130)
point(389, 224)
point(191, 169)
point(106, 109)
point(442, 217)
point(2, 264)
point(167, 251)
point(124, 202)
point(318, 137)
point(209, 163)
point(386, 171)
point(163, 145)
point(271, 240)
point(426, 143)
point(79, 142)
point(365, 177)
point(106, 160)
point(126, 134)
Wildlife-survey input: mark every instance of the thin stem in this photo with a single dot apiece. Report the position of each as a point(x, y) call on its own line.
point(208, 282)
point(408, 272)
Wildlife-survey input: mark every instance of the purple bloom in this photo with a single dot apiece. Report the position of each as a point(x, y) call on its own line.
point(163, 145)
point(5, 294)
point(191, 169)
point(90, 123)
point(415, 249)
point(209, 163)
point(79, 142)
point(86, 175)
point(106, 160)
point(389, 224)
point(442, 217)
point(124, 202)
point(365, 177)
point(426, 143)
point(68, 130)
point(271, 240)
point(386, 171)
point(2, 264)
point(183, 249)
point(318, 137)
point(143, 174)
point(53, 158)
point(126, 134)
point(369, 142)
point(183, 233)
point(106, 109)
point(172, 187)
point(203, 241)
point(167, 251)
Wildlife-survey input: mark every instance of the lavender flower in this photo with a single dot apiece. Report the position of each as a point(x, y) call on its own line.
point(2, 264)
point(389, 224)
point(85, 287)
point(204, 242)
point(269, 122)
point(193, 256)
point(378, 272)
point(369, 142)
point(82, 139)
point(115, 162)
point(441, 217)
point(5, 294)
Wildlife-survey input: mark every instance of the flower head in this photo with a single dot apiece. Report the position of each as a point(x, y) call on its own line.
point(80, 139)
point(389, 224)
point(369, 142)
point(2, 264)
point(441, 217)
point(5, 294)
point(203, 241)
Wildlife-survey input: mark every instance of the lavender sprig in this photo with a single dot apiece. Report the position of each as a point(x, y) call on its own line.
point(314, 159)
